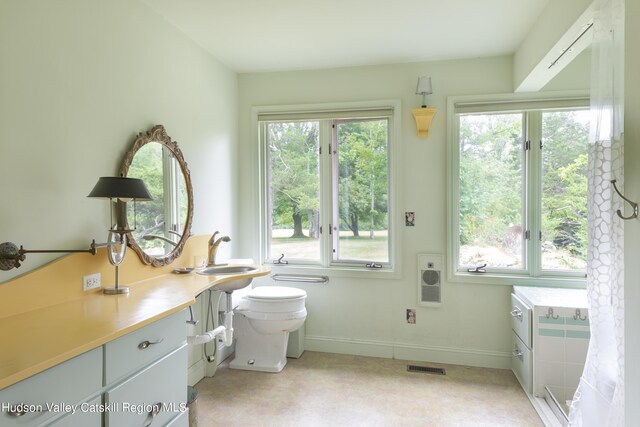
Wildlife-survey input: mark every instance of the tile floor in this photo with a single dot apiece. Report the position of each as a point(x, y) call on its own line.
point(323, 389)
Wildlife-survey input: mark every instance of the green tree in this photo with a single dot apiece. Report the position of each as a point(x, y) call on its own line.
point(362, 175)
point(294, 178)
point(564, 185)
point(490, 177)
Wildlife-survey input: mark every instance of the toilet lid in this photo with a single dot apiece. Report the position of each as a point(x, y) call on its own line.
point(275, 292)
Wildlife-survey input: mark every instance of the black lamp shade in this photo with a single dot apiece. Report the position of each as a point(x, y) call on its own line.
point(125, 189)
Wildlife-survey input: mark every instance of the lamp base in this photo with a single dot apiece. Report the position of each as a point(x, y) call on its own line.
point(116, 291)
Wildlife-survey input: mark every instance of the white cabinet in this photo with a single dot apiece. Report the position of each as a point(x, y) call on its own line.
point(153, 396)
point(47, 395)
point(521, 357)
point(133, 351)
point(550, 341)
point(137, 379)
point(86, 415)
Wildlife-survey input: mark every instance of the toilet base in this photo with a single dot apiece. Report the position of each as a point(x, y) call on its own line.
point(256, 351)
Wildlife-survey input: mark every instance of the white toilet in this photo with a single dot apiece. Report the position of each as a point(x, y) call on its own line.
point(262, 322)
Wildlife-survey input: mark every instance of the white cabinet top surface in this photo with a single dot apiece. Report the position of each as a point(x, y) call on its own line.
point(552, 297)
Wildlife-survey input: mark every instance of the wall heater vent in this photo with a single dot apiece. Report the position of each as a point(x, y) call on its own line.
point(430, 280)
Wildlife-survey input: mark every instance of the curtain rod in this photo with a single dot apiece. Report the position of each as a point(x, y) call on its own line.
point(570, 46)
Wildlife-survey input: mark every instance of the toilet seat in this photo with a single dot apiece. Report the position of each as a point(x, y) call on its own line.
point(275, 300)
point(275, 293)
point(277, 317)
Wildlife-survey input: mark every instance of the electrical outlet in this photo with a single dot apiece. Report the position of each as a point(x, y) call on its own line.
point(92, 281)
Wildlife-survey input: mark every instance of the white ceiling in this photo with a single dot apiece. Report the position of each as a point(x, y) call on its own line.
point(275, 35)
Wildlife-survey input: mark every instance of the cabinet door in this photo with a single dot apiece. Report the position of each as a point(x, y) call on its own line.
point(152, 397)
point(521, 363)
point(133, 351)
point(33, 401)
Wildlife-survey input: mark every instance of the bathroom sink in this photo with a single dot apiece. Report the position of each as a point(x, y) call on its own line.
point(227, 269)
point(231, 285)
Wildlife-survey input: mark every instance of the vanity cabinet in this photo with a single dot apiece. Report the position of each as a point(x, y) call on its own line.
point(522, 357)
point(550, 334)
point(30, 402)
point(153, 396)
point(137, 379)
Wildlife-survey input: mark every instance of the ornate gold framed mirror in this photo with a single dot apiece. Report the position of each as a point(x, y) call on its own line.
point(163, 225)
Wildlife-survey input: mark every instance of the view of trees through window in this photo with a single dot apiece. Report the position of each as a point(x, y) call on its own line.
point(493, 190)
point(294, 183)
point(362, 208)
point(159, 222)
point(564, 189)
point(358, 184)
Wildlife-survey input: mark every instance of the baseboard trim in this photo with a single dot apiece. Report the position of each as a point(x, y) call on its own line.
point(195, 372)
point(402, 351)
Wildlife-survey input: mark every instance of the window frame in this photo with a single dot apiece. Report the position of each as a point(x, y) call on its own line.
point(326, 263)
point(532, 106)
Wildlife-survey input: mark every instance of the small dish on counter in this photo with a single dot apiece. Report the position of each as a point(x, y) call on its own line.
point(183, 270)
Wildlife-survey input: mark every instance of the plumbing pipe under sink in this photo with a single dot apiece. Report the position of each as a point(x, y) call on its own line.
point(226, 330)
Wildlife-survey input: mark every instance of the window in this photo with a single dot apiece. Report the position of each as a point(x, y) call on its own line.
point(327, 180)
point(518, 191)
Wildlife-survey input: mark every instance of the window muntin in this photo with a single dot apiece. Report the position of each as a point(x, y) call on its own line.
point(349, 251)
point(361, 191)
point(538, 130)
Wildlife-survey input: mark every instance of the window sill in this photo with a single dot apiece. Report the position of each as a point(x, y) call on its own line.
point(337, 272)
point(514, 279)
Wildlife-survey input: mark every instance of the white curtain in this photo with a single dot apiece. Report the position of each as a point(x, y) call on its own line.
point(599, 400)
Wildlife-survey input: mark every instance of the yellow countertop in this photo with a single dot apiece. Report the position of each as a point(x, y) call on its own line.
point(36, 339)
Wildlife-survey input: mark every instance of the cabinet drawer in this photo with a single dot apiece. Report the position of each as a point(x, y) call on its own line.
point(81, 376)
point(521, 319)
point(163, 384)
point(521, 362)
point(87, 415)
point(181, 420)
point(137, 349)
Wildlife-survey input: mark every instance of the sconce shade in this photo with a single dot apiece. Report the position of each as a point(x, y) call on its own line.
point(424, 86)
point(124, 189)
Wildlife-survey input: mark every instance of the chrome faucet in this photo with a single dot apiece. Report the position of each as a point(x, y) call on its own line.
point(213, 248)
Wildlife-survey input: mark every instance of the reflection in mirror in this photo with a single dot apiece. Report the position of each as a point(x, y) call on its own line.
point(163, 224)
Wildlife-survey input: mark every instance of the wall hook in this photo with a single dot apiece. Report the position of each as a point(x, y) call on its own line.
point(633, 204)
point(579, 316)
point(550, 314)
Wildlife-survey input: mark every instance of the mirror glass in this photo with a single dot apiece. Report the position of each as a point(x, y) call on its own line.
point(162, 225)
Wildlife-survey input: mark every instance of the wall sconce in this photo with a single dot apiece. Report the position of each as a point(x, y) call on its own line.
point(423, 115)
point(119, 190)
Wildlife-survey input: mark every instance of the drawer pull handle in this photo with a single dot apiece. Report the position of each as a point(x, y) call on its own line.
point(517, 353)
point(517, 313)
point(146, 344)
point(22, 409)
point(155, 410)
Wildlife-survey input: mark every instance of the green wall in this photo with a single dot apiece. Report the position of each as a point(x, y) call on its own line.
point(78, 80)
